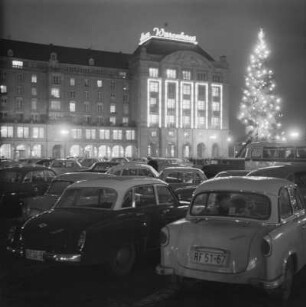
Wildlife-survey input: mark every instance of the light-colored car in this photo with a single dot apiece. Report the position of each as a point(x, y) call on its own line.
point(106, 221)
point(45, 202)
point(61, 166)
point(232, 172)
point(133, 169)
point(182, 176)
point(239, 230)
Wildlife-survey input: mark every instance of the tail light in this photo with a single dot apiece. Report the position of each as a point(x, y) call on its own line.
point(11, 234)
point(266, 246)
point(82, 240)
point(164, 236)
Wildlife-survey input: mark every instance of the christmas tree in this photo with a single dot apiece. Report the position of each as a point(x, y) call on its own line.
point(260, 107)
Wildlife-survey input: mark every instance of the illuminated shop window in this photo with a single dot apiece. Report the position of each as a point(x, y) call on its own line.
point(55, 92)
point(76, 133)
point(55, 105)
point(130, 134)
point(186, 74)
point(72, 81)
point(153, 72)
point(38, 133)
point(3, 89)
point(99, 83)
point(104, 134)
point(22, 132)
point(34, 104)
point(17, 64)
point(171, 73)
point(72, 106)
point(36, 150)
point(186, 104)
point(6, 132)
point(117, 134)
point(34, 78)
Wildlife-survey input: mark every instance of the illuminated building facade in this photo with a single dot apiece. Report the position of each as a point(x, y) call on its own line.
point(169, 99)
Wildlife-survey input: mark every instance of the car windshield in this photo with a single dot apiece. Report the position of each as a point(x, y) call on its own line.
point(57, 187)
point(231, 204)
point(9, 176)
point(89, 197)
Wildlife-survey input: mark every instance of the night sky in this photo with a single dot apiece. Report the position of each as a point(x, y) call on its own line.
point(222, 27)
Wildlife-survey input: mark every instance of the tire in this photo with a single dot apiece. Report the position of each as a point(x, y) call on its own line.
point(123, 260)
point(283, 292)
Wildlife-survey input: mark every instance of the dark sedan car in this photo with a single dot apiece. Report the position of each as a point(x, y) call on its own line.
point(19, 183)
point(107, 221)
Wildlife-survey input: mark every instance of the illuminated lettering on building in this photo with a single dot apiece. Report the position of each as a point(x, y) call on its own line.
point(161, 33)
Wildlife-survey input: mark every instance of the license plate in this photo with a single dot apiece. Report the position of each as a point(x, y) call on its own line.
point(35, 255)
point(207, 257)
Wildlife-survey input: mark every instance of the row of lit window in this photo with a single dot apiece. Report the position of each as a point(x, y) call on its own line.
point(185, 75)
point(104, 134)
point(22, 132)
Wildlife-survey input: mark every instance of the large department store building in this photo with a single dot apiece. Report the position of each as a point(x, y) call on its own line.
point(168, 99)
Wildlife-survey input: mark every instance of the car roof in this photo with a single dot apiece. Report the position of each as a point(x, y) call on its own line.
point(26, 168)
point(266, 185)
point(74, 176)
point(125, 182)
point(181, 168)
point(280, 170)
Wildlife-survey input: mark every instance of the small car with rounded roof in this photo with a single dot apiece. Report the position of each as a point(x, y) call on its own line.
point(107, 221)
point(239, 230)
point(133, 169)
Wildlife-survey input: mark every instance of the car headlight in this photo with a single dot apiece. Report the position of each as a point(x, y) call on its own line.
point(82, 240)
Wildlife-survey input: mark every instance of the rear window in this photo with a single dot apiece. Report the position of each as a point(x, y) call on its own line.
point(89, 197)
point(231, 204)
point(57, 187)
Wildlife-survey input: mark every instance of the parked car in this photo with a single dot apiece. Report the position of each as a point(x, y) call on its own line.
point(120, 160)
point(133, 169)
point(61, 166)
point(101, 167)
point(239, 230)
point(88, 162)
point(293, 172)
point(4, 163)
point(232, 172)
point(45, 202)
point(182, 176)
point(45, 162)
point(185, 193)
point(19, 183)
point(106, 221)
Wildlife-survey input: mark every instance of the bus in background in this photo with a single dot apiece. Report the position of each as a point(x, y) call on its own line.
point(262, 154)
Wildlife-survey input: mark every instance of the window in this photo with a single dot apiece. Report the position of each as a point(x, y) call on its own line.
point(117, 134)
point(154, 133)
point(76, 133)
point(3, 101)
point(215, 91)
point(99, 96)
point(113, 87)
point(55, 92)
point(72, 81)
point(201, 105)
point(201, 76)
point(112, 108)
point(171, 104)
point(186, 74)
point(153, 87)
point(6, 131)
point(3, 89)
point(56, 79)
point(171, 73)
point(170, 120)
point(72, 94)
point(171, 133)
point(201, 121)
point(86, 95)
point(130, 134)
point(112, 120)
point(38, 132)
point(19, 90)
point(122, 74)
point(125, 121)
point(285, 209)
point(186, 121)
point(34, 104)
point(153, 119)
point(55, 105)
point(34, 78)
point(34, 91)
point(153, 72)
point(19, 104)
point(86, 82)
point(125, 109)
point(144, 196)
point(22, 132)
point(35, 117)
point(171, 90)
point(201, 92)
point(86, 106)
point(99, 83)
point(72, 106)
point(99, 108)
point(104, 134)
point(216, 106)
point(164, 195)
point(17, 64)
point(90, 134)
point(186, 89)
point(215, 122)
point(186, 104)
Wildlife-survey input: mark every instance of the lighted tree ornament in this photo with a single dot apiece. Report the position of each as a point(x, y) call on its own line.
point(260, 107)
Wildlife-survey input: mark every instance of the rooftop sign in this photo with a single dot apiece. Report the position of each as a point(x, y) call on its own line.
point(161, 33)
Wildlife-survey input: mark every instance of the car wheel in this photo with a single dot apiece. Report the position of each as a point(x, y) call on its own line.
point(282, 293)
point(123, 260)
